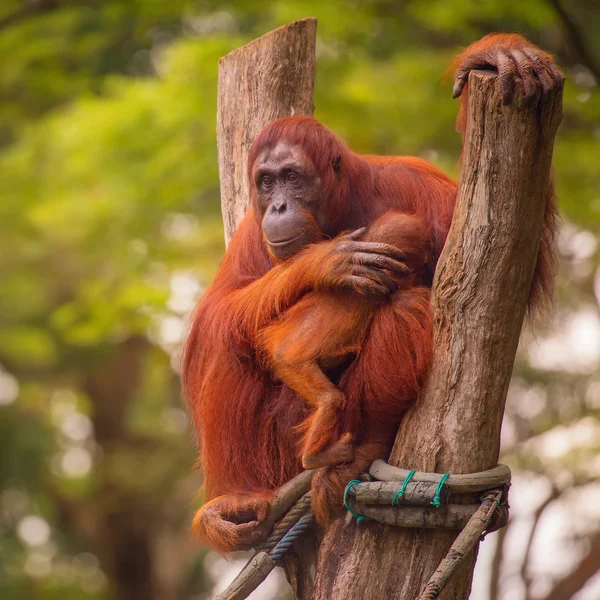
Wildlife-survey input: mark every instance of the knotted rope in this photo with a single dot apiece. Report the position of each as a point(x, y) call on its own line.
point(411, 495)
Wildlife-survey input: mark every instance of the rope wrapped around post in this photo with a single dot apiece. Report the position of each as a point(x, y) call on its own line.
point(422, 496)
point(402, 498)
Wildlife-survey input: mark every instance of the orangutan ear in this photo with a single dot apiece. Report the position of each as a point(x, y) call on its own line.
point(335, 163)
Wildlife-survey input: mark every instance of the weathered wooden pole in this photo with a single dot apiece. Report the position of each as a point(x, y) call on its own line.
point(269, 78)
point(479, 297)
point(480, 292)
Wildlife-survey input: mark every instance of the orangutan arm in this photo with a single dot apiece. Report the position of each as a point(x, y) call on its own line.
point(341, 263)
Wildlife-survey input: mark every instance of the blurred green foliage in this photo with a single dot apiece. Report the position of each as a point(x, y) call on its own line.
point(110, 226)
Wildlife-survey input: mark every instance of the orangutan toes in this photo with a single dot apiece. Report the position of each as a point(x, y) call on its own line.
point(338, 453)
point(231, 523)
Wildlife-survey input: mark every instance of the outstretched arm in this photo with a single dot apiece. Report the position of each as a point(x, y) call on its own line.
point(515, 59)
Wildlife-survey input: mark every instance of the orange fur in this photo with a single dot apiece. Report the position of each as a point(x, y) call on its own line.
point(326, 327)
point(240, 514)
point(252, 427)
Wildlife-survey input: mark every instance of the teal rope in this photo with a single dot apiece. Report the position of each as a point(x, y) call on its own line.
point(400, 494)
point(436, 498)
point(359, 518)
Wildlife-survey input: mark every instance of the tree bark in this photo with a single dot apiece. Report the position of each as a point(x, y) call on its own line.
point(479, 297)
point(269, 78)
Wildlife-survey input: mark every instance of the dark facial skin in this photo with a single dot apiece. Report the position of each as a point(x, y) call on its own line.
point(288, 189)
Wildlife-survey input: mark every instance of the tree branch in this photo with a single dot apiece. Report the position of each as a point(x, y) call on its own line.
point(494, 589)
point(537, 515)
point(575, 581)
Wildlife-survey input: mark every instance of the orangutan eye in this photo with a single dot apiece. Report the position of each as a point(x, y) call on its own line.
point(266, 181)
point(292, 177)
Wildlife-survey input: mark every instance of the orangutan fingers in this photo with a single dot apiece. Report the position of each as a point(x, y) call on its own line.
point(540, 69)
point(377, 248)
point(379, 261)
point(366, 286)
point(376, 275)
point(527, 72)
point(459, 85)
point(219, 526)
point(557, 75)
point(475, 61)
point(507, 74)
point(249, 534)
point(338, 453)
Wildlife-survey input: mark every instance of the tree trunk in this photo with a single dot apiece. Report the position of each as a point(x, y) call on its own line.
point(269, 78)
point(480, 293)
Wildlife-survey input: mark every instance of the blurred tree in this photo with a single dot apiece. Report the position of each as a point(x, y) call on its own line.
point(110, 228)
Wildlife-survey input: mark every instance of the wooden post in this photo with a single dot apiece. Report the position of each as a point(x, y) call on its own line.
point(269, 78)
point(480, 292)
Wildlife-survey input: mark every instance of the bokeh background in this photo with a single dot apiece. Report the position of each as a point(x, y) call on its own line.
point(110, 229)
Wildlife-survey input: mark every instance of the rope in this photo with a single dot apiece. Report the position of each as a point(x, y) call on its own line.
point(400, 494)
point(436, 498)
point(359, 518)
point(296, 521)
point(289, 520)
point(285, 543)
point(461, 546)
